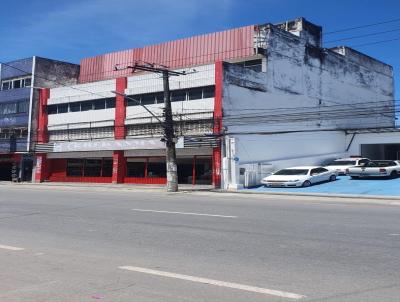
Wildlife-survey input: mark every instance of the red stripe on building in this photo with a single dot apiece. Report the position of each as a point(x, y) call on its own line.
point(120, 109)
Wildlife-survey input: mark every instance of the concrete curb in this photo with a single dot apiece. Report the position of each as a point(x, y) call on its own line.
point(358, 196)
point(127, 187)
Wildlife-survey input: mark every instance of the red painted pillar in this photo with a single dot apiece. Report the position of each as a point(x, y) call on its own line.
point(119, 167)
point(216, 176)
point(120, 109)
point(119, 161)
point(42, 169)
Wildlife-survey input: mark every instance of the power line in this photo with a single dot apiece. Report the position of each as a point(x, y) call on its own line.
point(373, 43)
point(54, 81)
point(361, 26)
point(365, 35)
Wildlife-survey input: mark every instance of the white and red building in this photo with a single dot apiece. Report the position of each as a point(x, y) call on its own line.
point(261, 96)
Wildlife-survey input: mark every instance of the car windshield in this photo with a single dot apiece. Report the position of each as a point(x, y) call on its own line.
point(343, 163)
point(292, 172)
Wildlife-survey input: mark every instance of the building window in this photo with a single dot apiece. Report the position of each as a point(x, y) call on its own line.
point(8, 108)
point(86, 106)
point(16, 83)
point(5, 85)
point(74, 167)
point(195, 94)
point(107, 168)
point(178, 96)
point(23, 107)
point(135, 167)
point(156, 168)
point(147, 99)
point(52, 109)
point(28, 82)
point(208, 92)
point(75, 107)
point(110, 103)
point(99, 104)
point(92, 167)
point(160, 98)
point(62, 108)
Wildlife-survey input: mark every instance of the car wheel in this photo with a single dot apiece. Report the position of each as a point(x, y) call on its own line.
point(393, 174)
point(332, 178)
point(354, 177)
point(307, 183)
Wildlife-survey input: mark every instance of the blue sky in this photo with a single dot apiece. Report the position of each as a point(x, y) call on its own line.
point(71, 30)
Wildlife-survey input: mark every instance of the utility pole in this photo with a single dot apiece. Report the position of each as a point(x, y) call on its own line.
point(170, 156)
point(168, 125)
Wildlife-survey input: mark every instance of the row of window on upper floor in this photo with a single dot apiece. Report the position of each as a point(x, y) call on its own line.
point(143, 99)
point(14, 108)
point(16, 83)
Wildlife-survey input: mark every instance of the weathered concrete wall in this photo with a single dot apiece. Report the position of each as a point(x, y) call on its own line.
point(52, 73)
point(49, 74)
point(305, 88)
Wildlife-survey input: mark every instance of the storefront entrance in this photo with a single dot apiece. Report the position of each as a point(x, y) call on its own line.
point(193, 170)
point(5, 171)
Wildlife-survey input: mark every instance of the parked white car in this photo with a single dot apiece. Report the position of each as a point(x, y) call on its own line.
point(340, 165)
point(299, 177)
point(376, 168)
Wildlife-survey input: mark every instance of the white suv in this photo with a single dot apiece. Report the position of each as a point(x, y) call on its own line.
point(340, 165)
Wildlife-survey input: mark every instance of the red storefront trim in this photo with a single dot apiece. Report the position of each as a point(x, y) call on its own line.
point(216, 177)
point(80, 179)
point(146, 180)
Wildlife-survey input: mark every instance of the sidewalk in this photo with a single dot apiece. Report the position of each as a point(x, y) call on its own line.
point(161, 188)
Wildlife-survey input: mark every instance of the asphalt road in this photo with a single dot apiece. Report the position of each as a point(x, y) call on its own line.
point(99, 244)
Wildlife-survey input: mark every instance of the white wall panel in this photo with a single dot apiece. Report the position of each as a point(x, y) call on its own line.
point(82, 117)
point(148, 83)
point(81, 92)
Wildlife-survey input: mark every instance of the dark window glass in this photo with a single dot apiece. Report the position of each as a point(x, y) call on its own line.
point(110, 103)
point(107, 168)
point(92, 167)
point(156, 169)
point(178, 96)
point(28, 82)
point(6, 85)
point(74, 167)
point(204, 171)
point(62, 108)
point(23, 107)
point(135, 169)
point(52, 109)
point(208, 92)
point(99, 104)
point(75, 107)
point(134, 102)
point(160, 98)
point(148, 99)
point(85, 106)
point(195, 93)
point(17, 84)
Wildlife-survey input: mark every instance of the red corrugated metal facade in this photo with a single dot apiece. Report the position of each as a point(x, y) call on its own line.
point(208, 48)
